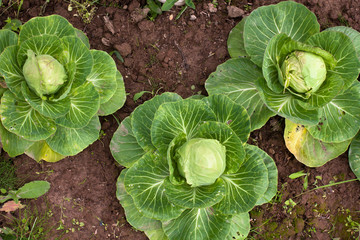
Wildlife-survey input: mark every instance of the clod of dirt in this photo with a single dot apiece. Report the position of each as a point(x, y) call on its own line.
point(234, 12)
point(146, 25)
point(128, 62)
point(133, 5)
point(139, 14)
point(221, 53)
point(124, 49)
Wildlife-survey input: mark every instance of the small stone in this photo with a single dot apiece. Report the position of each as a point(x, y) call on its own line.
point(171, 17)
point(193, 18)
point(124, 49)
point(271, 151)
point(212, 8)
point(234, 12)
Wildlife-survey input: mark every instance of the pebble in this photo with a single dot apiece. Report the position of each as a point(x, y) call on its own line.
point(212, 8)
point(234, 12)
point(193, 18)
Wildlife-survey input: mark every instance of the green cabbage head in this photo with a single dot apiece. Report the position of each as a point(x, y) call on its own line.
point(189, 172)
point(54, 88)
point(43, 73)
point(201, 161)
point(303, 72)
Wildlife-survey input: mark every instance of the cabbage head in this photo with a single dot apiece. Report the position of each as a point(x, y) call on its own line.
point(54, 87)
point(282, 64)
point(190, 173)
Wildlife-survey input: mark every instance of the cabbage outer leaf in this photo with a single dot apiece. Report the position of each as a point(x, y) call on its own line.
point(235, 42)
point(133, 216)
point(239, 226)
point(40, 150)
point(245, 187)
point(236, 79)
point(46, 107)
point(272, 177)
point(339, 120)
point(288, 17)
point(20, 118)
point(354, 156)
point(40, 45)
point(103, 74)
point(51, 25)
point(352, 34)
point(198, 223)
point(123, 146)
point(309, 150)
point(13, 144)
point(71, 141)
point(117, 100)
point(10, 70)
point(77, 60)
point(174, 118)
point(195, 197)
point(144, 181)
point(7, 38)
point(230, 113)
point(143, 118)
point(84, 104)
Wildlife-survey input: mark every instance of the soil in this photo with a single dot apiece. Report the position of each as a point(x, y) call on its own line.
point(178, 55)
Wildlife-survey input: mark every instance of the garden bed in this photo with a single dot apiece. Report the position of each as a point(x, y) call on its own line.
point(168, 55)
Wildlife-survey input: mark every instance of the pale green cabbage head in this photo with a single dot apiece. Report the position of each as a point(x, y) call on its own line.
point(303, 72)
point(201, 161)
point(43, 73)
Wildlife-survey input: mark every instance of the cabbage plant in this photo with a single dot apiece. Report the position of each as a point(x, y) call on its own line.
point(282, 64)
point(53, 89)
point(189, 172)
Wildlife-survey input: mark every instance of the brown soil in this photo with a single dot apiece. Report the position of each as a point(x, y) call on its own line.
point(178, 56)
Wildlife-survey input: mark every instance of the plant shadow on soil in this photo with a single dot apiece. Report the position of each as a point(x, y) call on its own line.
point(178, 56)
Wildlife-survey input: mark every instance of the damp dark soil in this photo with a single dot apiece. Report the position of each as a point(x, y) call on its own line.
point(177, 55)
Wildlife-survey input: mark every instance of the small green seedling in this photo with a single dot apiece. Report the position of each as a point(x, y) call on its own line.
point(13, 24)
point(301, 174)
point(33, 189)
point(140, 94)
point(117, 54)
point(289, 205)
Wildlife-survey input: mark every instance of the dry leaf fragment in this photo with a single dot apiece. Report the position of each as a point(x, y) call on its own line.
point(109, 25)
point(11, 206)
